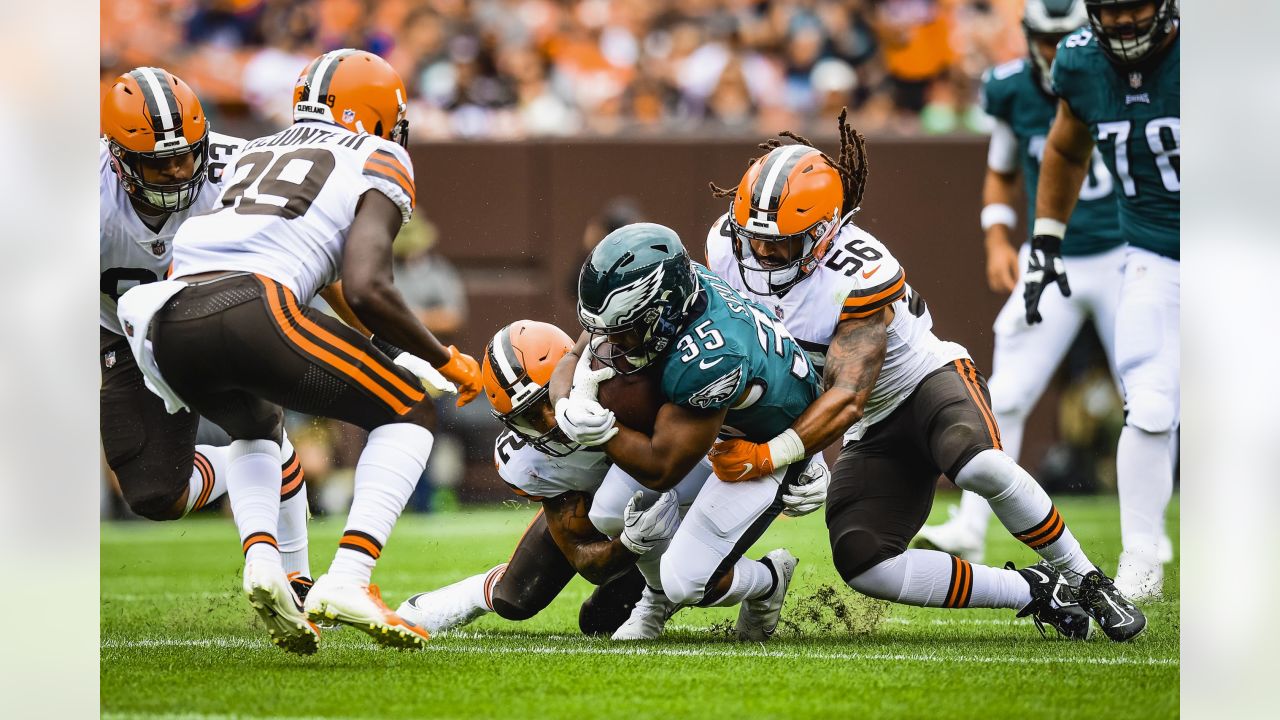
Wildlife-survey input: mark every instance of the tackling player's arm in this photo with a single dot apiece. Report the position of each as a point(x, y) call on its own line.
point(681, 437)
point(999, 191)
point(590, 552)
point(562, 378)
point(333, 295)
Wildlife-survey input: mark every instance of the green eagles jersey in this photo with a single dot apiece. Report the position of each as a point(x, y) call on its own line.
point(1133, 114)
point(735, 354)
point(1011, 93)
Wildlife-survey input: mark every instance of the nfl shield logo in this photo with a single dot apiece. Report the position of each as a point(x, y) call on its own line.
point(157, 248)
point(348, 115)
point(109, 360)
point(1135, 80)
point(777, 310)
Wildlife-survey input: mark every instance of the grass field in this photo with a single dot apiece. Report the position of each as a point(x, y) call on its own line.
point(178, 639)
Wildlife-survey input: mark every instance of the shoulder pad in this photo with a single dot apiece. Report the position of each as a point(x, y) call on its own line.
point(874, 278)
point(997, 91)
point(720, 246)
point(390, 171)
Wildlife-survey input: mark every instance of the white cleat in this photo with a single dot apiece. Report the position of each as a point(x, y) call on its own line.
point(1138, 579)
point(648, 618)
point(268, 590)
point(757, 619)
point(954, 537)
point(437, 612)
point(361, 607)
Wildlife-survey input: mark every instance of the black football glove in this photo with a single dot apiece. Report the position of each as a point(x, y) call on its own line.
point(1043, 267)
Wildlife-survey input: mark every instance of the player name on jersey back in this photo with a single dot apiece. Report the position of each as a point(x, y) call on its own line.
point(289, 202)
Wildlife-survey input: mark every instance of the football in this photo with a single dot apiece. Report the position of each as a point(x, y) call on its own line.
point(634, 399)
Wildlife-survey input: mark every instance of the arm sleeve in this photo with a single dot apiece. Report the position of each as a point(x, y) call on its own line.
point(1002, 153)
point(390, 171)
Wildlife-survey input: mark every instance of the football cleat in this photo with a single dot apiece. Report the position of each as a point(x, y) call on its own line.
point(361, 607)
point(1120, 619)
point(648, 618)
point(437, 612)
point(276, 603)
point(1053, 602)
point(1138, 579)
point(953, 537)
point(301, 585)
point(757, 619)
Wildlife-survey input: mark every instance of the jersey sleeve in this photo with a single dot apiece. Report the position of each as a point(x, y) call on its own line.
point(995, 97)
point(390, 171)
point(222, 151)
point(708, 381)
point(512, 457)
point(879, 284)
point(720, 246)
point(1065, 75)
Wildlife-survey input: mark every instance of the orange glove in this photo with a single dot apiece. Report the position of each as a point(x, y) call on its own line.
point(464, 371)
point(738, 460)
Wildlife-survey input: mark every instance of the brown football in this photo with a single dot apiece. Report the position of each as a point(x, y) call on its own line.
point(634, 399)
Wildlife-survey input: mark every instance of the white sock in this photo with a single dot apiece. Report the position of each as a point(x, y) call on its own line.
point(388, 470)
point(975, 511)
point(1144, 476)
point(650, 566)
point(928, 578)
point(1025, 510)
point(752, 579)
point(293, 513)
point(253, 486)
point(208, 476)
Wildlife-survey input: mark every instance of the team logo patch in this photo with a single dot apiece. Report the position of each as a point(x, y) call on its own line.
point(718, 392)
point(1135, 80)
point(348, 115)
point(109, 360)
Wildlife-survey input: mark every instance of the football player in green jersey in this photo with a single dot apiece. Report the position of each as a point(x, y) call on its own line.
point(1118, 85)
point(1019, 98)
point(728, 369)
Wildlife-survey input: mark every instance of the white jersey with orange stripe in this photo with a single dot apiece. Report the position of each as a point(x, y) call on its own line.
point(537, 475)
point(288, 205)
point(857, 277)
point(129, 252)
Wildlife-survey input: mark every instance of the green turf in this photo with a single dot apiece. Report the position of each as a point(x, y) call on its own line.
point(179, 640)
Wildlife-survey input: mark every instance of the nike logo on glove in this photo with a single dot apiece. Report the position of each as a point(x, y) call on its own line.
point(746, 468)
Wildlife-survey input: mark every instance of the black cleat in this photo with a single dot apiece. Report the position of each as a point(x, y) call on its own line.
point(1053, 602)
point(301, 585)
point(1120, 619)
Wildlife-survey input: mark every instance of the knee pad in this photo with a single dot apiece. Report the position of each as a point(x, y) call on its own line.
point(1009, 402)
point(611, 604)
point(855, 551)
point(607, 520)
point(679, 587)
point(1149, 411)
point(882, 581)
point(152, 500)
point(989, 473)
point(508, 610)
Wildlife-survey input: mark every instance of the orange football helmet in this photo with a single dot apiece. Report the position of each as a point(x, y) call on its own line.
point(152, 123)
point(355, 89)
point(790, 195)
point(517, 368)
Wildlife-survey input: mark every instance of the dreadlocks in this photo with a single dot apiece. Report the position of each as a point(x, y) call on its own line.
point(852, 164)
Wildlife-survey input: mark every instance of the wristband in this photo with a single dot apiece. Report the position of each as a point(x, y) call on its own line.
point(786, 448)
point(387, 348)
point(998, 214)
point(1050, 227)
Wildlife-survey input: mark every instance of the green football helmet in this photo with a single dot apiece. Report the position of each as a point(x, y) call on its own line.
point(636, 289)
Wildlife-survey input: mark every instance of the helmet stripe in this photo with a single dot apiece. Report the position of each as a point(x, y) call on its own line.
point(510, 369)
point(161, 104)
point(776, 180)
point(322, 75)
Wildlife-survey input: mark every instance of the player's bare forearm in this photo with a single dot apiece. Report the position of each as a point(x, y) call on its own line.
point(562, 378)
point(998, 187)
point(369, 287)
point(591, 553)
point(333, 295)
point(1065, 164)
point(852, 366)
point(681, 437)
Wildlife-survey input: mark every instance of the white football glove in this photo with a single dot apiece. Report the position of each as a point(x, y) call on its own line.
point(432, 381)
point(585, 421)
point(586, 382)
point(808, 492)
point(645, 530)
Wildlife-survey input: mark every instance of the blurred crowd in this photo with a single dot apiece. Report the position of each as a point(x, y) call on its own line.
point(522, 68)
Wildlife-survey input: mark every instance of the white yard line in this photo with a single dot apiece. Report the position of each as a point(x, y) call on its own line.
point(746, 652)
